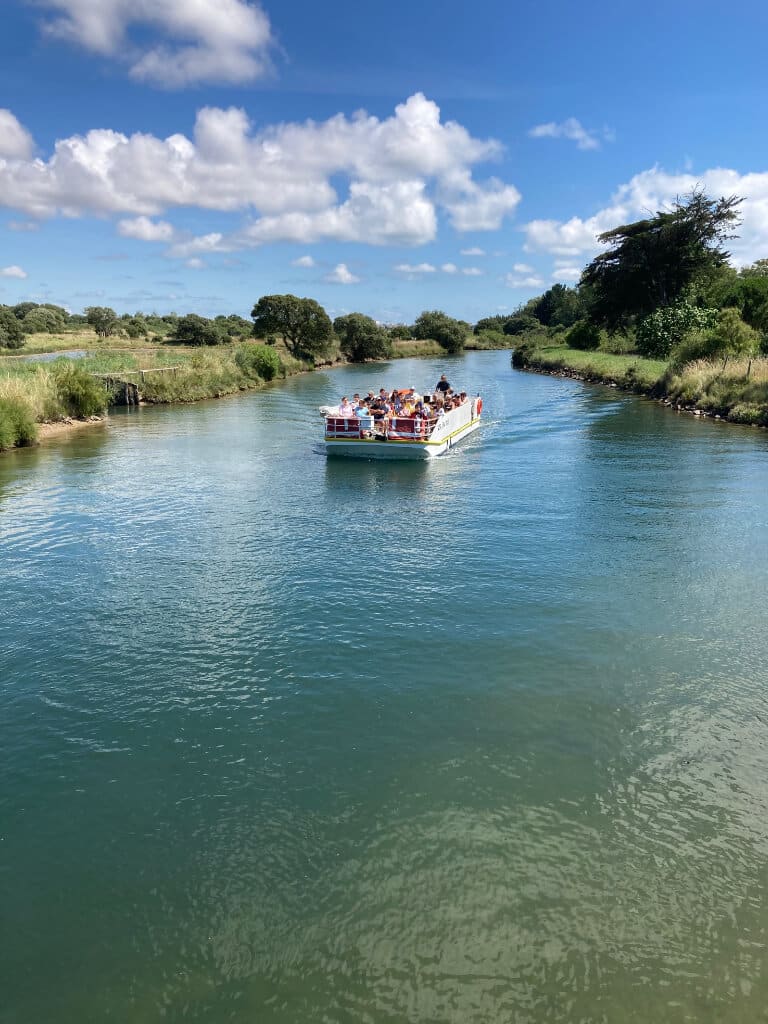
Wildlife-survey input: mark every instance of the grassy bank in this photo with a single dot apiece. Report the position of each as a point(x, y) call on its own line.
point(34, 392)
point(736, 391)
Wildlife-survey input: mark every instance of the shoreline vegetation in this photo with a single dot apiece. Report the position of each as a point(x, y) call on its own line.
point(660, 312)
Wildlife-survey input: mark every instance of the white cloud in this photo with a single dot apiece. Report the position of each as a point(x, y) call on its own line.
point(522, 268)
point(411, 269)
point(341, 274)
point(472, 271)
point(23, 225)
point(515, 281)
point(656, 189)
point(195, 263)
point(189, 42)
point(570, 129)
point(449, 268)
point(146, 230)
point(400, 170)
point(474, 251)
point(566, 271)
point(303, 261)
point(13, 272)
point(15, 141)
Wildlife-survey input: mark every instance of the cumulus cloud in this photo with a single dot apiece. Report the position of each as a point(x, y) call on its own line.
point(13, 271)
point(146, 230)
point(303, 261)
point(401, 172)
point(516, 281)
point(566, 271)
point(449, 268)
point(15, 141)
point(195, 263)
point(472, 271)
point(474, 251)
point(522, 268)
point(652, 190)
point(570, 129)
point(178, 43)
point(341, 274)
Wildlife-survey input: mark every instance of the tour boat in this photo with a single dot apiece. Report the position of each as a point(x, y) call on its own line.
point(399, 437)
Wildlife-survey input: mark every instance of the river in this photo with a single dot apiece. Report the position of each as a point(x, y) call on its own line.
point(288, 739)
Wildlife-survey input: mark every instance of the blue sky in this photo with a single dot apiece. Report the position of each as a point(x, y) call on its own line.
point(160, 155)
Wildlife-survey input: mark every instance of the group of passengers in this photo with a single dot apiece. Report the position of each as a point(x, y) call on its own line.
point(404, 403)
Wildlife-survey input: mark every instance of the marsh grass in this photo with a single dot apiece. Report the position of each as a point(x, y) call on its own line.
point(737, 391)
point(627, 371)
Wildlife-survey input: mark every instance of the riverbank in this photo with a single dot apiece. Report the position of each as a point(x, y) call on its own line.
point(41, 399)
point(736, 392)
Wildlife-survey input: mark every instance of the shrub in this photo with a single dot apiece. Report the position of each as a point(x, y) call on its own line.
point(197, 330)
point(619, 344)
point(17, 425)
point(450, 334)
point(361, 338)
point(697, 345)
point(523, 352)
point(584, 336)
point(11, 331)
point(79, 393)
point(666, 328)
point(521, 323)
point(258, 361)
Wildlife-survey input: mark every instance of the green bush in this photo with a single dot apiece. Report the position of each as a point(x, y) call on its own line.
point(11, 331)
point(522, 352)
point(258, 361)
point(17, 425)
point(583, 336)
point(666, 328)
point(697, 345)
point(79, 393)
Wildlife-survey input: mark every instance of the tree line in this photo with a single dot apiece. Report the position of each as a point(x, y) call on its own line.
point(304, 327)
point(663, 287)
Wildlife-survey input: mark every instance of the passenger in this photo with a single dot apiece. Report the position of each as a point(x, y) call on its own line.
point(442, 384)
point(346, 408)
point(397, 404)
point(462, 398)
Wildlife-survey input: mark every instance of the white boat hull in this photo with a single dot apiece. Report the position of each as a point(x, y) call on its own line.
point(449, 431)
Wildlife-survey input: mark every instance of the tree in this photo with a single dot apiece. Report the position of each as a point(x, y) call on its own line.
point(21, 309)
point(102, 319)
point(559, 306)
point(303, 323)
point(666, 328)
point(521, 323)
point(399, 332)
point(734, 337)
point(196, 330)
point(361, 338)
point(757, 269)
point(11, 331)
point(651, 263)
point(491, 323)
point(41, 321)
point(584, 336)
point(450, 334)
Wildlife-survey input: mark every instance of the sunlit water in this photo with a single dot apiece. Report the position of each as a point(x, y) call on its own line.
point(288, 739)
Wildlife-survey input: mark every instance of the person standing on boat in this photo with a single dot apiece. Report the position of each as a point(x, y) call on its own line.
point(443, 385)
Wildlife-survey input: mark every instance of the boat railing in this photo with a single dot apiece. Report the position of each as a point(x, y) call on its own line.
point(396, 428)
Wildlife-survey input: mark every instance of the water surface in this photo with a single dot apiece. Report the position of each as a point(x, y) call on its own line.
point(291, 739)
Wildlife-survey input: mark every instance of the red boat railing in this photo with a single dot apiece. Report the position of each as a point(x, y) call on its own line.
point(397, 428)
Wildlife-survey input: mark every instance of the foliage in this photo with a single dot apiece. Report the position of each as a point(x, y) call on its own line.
point(651, 263)
point(234, 326)
point(450, 334)
point(492, 323)
point(11, 331)
point(665, 328)
point(488, 340)
point(733, 336)
point(584, 336)
point(399, 331)
point(136, 326)
point(21, 309)
point(303, 323)
point(42, 321)
point(521, 323)
point(258, 362)
point(103, 320)
point(196, 330)
point(559, 306)
point(523, 351)
point(629, 372)
point(17, 425)
point(361, 338)
point(80, 394)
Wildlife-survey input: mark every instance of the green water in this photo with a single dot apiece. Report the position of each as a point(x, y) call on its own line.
point(288, 739)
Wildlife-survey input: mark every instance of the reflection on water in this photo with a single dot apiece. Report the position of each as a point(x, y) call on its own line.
point(296, 739)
